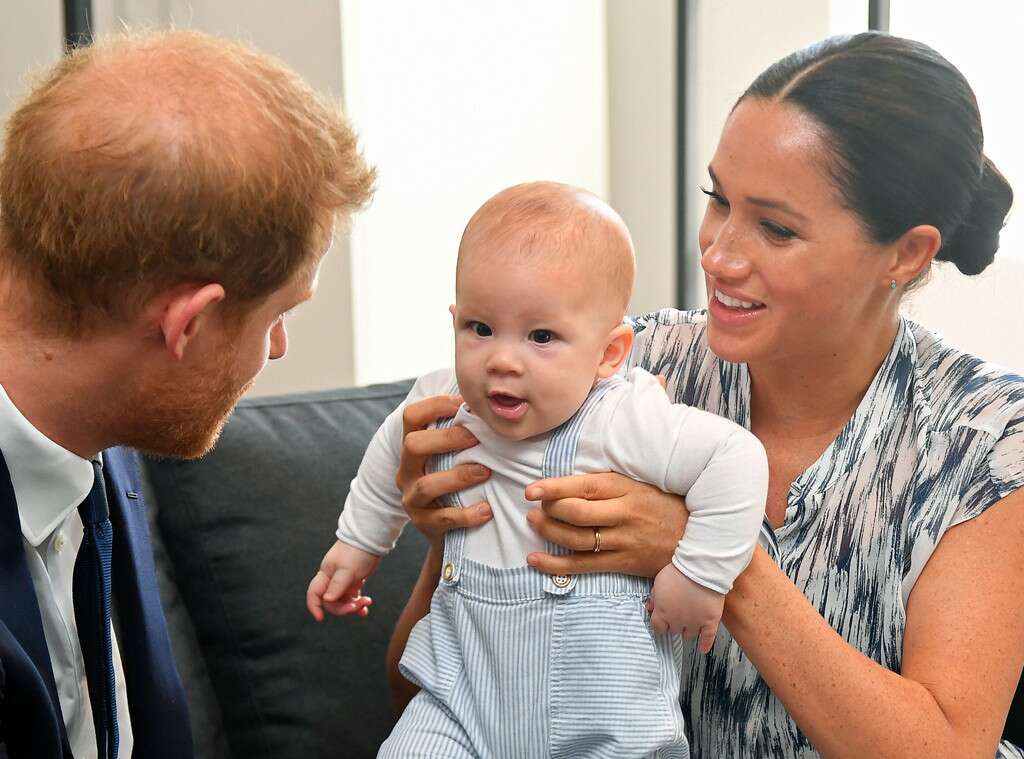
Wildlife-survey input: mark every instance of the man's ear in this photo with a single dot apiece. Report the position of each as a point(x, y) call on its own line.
point(182, 314)
point(914, 250)
point(616, 351)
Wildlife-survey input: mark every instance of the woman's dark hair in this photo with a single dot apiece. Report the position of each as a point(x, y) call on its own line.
point(904, 137)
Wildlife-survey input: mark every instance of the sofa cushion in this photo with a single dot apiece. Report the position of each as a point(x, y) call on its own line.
point(245, 528)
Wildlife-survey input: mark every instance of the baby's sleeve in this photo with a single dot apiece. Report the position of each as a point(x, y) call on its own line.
point(373, 517)
point(719, 467)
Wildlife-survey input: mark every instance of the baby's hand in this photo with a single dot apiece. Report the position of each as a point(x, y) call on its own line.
point(338, 585)
point(680, 605)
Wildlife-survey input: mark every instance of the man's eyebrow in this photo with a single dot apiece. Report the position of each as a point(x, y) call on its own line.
point(777, 205)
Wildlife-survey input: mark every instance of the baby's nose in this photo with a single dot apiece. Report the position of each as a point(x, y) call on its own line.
point(504, 362)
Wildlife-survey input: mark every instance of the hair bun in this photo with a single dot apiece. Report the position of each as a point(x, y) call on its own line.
point(973, 244)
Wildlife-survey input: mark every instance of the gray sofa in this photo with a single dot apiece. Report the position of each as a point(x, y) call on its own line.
point(238, 534)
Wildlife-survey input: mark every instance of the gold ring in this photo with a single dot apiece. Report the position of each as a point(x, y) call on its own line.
point(597, 540)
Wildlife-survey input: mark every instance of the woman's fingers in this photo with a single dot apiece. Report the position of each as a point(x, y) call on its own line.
point(427, 488)
point(419, 415)
point(640, 524)
point(435, 521)
point(569, 535)
point(419, 444)
point(423, 443)
point(415, 419)
point(589, 487)
point(584, 513)
point(577, 563)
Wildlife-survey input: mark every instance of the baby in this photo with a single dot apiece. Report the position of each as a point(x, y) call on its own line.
point(512, 662)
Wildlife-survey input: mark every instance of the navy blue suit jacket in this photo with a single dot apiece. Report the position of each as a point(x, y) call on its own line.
point(31, 724)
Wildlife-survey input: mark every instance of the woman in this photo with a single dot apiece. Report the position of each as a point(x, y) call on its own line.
point(880, 616)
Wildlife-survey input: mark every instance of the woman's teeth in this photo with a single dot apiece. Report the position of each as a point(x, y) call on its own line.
point(735, 302)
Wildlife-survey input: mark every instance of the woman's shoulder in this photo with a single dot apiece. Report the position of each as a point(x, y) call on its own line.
point(962, 389)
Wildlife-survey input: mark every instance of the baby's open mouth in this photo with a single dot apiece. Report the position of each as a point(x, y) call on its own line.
point(507, 406)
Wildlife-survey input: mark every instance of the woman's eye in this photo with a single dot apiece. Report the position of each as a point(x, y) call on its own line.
point(716, 198)
point(778, 231)
point(480, 329)
point(542, 336)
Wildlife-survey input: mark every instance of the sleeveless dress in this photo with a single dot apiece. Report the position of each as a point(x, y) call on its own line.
point(936, 440)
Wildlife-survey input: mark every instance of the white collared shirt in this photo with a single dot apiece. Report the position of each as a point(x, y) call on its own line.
point(49, 484)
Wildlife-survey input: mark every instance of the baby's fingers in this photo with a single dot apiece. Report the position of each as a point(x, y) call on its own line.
point(352, 605)
point(343, 582)
point(315, 594)
point(707, 637)
point(659, 623)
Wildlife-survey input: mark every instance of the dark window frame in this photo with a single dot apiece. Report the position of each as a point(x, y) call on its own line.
point(77, 24)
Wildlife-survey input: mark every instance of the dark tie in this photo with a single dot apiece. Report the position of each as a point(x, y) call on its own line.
point(91, 591)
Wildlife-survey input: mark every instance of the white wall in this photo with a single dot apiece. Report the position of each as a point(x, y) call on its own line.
point(31, 37)
point(730, 42)
point(982, 314)
point(456, 101)
point(305, 35)
point(985, 314)
point(642, 140)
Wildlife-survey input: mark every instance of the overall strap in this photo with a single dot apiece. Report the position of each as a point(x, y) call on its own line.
point(454, 540)
point(560, 461)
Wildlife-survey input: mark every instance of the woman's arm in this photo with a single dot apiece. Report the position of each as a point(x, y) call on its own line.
point(963, 640)
point(415, 609)
point(962, 650)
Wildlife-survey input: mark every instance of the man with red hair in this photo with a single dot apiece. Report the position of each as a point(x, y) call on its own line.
point(165, 201)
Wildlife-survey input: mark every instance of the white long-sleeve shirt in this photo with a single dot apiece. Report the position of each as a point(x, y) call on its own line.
point(634, 429)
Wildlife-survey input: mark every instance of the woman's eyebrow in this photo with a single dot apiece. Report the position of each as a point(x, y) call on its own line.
point(777, 205)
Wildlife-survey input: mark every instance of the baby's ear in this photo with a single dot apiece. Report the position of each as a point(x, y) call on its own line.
point(616, 351)
point(451, 310)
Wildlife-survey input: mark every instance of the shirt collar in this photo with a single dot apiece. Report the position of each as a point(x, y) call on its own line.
point(49, 481)
point(888, 395)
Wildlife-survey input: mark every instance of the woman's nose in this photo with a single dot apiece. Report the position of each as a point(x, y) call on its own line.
point(724, 255)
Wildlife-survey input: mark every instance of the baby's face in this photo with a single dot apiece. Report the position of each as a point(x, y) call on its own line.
point(528, 342)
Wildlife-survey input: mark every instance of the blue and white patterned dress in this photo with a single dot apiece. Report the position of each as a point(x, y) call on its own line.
point(936, 440)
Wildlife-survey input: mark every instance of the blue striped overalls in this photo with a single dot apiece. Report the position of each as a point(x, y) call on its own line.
point(516, 664)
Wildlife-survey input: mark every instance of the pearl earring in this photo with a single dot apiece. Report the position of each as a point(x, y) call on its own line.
point(892, 284)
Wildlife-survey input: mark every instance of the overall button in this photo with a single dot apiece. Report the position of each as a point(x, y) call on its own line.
point(561, 581)
point(449, 571)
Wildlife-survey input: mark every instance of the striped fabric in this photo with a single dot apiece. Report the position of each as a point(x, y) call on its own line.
point(937, 439)
point(516, 664)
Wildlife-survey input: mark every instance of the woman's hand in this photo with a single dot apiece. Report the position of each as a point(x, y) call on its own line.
point(640, 525)
point(420, 491)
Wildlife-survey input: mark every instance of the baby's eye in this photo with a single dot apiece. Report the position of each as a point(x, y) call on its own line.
point(480, 329)
point(542, 336)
